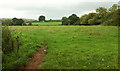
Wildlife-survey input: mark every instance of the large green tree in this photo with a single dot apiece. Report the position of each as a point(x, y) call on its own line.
point(101, 11)
point(102, 16)
point(73, 18)
point(14, 19)
point(84, 19)
point(18, 21)
point(113, 8)
point(111, 17)
point(91, 18)
point(41, 18)
point(65, 21)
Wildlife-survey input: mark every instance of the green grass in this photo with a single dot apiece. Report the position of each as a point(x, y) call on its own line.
point(47, 23)
point(69, 47)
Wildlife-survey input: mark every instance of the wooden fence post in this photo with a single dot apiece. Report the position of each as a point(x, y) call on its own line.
point(12, 45)
point(17, 44)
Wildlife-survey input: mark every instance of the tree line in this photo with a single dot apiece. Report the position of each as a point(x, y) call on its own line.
point(13, 22)
point(102, 16)
point(21, 22)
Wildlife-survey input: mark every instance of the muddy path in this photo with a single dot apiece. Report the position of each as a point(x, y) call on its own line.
point(36, 60)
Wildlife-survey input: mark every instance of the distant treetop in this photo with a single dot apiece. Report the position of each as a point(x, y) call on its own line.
point(41, 18)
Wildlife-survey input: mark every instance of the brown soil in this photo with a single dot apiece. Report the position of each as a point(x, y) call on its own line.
point(36, 60)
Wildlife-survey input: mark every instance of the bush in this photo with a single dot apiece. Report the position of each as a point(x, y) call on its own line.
point(30, 23)
point(7, 22)
point(24, 24)
point(7, 40)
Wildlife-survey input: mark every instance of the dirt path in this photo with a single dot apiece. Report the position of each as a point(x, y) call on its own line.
point(36, 60)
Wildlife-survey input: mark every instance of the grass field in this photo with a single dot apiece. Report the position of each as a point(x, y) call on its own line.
point(47, 23)
point(68, 47)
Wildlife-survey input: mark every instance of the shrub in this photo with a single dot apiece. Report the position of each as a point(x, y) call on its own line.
point(7, 40)
point(30, 23)
point(24, 24)
point(7, 22)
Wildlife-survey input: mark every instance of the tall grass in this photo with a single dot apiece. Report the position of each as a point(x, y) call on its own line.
point(12, 57)
point(7, 40)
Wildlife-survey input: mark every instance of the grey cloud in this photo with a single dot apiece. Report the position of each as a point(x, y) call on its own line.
point(57, 12)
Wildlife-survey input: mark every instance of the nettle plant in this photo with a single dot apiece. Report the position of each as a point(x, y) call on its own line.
point(10, 40)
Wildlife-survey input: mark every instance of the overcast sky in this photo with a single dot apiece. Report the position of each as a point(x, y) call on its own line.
point(52, 9)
